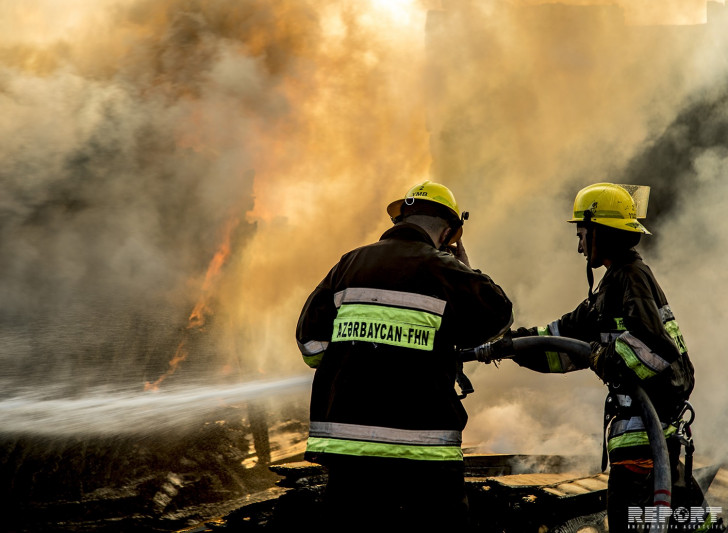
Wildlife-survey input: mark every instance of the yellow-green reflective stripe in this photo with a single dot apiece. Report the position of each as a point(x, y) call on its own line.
point(633, 362)
point(635, 438)
point(380, 449)
point(398, 327)
point(554, 360)
point(674, 330)
point(601, 214)
point(313, 360)
point(619, 324)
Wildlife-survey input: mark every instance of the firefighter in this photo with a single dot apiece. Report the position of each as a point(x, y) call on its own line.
point(634, 338)
point(382, 330)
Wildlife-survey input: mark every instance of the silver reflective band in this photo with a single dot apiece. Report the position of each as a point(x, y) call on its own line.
point(313, 347)
point(408, 300)
point(606, 338)
point(384, 434)
point(643, 352)
point(635, 423)
point(554, 328)
point(666, 313)
point(624, 400)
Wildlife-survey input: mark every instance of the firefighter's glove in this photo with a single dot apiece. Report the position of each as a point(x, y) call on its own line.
point(495, 350)
point(596, 359)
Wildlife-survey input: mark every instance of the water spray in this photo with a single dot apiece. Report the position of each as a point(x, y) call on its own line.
point(126, 412)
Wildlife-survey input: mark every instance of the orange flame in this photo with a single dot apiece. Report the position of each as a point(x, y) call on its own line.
point(201, 310)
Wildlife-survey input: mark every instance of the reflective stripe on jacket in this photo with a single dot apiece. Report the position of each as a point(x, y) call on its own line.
point(382, 330)
point(360, 440)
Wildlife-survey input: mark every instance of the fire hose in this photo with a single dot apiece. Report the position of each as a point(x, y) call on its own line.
point(581, 350)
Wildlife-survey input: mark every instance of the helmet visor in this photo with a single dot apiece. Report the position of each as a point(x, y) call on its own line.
point(641, 196)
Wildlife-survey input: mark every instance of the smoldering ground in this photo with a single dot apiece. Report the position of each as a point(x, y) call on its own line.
point(134, 132)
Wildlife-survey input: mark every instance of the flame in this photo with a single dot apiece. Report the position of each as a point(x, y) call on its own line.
point(201, 310)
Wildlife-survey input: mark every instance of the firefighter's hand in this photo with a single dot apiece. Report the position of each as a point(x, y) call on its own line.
point(494, 351)
point(458, 251)
point(596, 359)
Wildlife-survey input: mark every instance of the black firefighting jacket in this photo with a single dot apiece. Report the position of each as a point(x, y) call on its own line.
point(382, 330)
point(635, 339)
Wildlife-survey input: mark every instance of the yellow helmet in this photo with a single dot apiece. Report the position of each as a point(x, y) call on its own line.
point(426, 190)
point(615, 206)
point(432, 192)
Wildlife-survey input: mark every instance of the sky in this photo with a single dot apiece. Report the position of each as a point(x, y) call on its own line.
point(176, 176)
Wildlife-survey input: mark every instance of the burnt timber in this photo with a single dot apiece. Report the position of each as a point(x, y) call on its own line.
point(507, 493)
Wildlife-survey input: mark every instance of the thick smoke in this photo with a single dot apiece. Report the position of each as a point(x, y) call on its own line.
point(691, 158)
point(135, 131)
point(532, 102)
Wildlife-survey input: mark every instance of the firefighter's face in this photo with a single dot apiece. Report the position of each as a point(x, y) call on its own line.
point(581, 234)
point(596, 259)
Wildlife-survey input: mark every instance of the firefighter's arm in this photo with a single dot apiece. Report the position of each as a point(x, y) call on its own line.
point(545, 362)
point(550, 362)
point(480, 308)
point(315, 324)
point(642, 350)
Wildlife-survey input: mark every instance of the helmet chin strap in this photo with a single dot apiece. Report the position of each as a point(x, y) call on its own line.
point(589, 241)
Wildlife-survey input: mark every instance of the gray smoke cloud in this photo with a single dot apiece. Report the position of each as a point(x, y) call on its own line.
point(108, 206)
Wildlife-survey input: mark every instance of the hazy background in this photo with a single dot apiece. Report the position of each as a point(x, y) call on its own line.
point(176, 176)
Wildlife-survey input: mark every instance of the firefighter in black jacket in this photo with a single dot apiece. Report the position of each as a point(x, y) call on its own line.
point(382, 330)
point(635, 339)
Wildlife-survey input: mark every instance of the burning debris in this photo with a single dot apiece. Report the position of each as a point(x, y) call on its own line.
point(198, 317)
